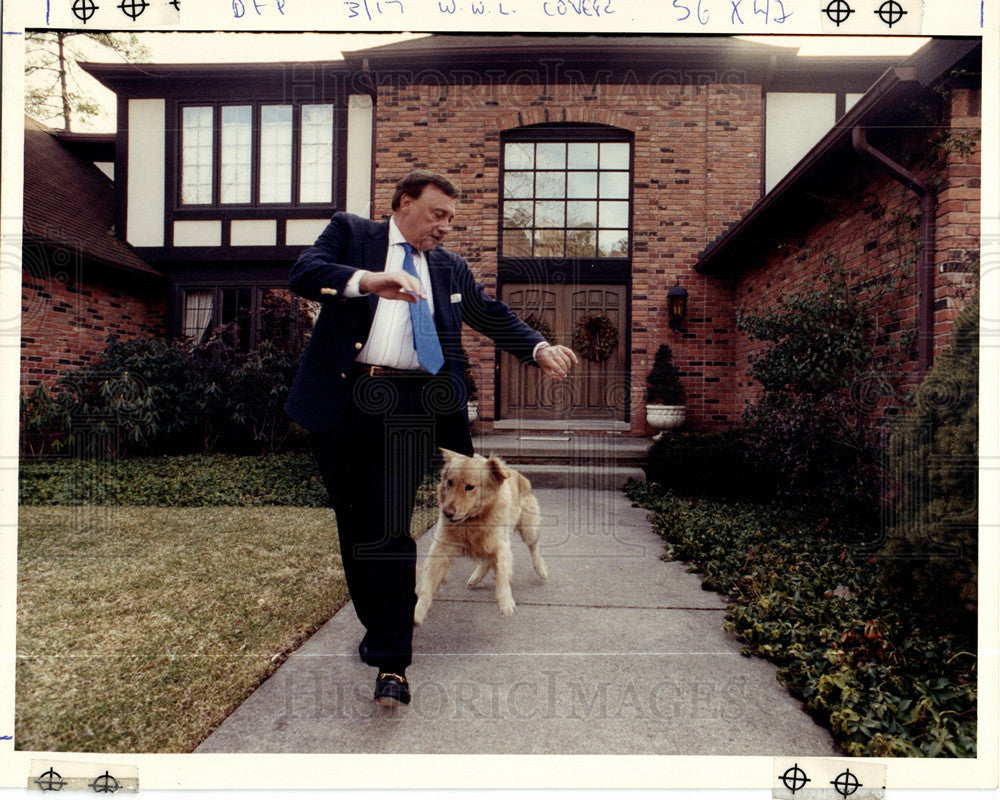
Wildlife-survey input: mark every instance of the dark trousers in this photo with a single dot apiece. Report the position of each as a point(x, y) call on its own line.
point(372, 463)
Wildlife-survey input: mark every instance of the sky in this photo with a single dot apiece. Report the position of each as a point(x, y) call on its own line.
point(215, 47)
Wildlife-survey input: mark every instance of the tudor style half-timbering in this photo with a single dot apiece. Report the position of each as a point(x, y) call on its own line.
point(226, 173)
point(595, 173)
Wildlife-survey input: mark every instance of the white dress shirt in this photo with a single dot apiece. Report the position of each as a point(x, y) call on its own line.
point(390, 341)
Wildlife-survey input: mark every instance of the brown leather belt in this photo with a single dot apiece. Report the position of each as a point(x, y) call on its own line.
point(376, 371)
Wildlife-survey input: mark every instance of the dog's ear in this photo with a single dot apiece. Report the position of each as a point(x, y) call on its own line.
point(448, 455)
point(498, 470)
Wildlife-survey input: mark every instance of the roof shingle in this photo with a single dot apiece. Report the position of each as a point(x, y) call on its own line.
point(69, 202)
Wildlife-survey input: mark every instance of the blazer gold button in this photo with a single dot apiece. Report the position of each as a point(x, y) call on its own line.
point(358, 345)
point(343, 374)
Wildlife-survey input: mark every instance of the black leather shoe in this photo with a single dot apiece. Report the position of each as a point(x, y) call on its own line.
point(392, 690)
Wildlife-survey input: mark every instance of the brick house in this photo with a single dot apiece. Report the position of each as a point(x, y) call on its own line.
point(890, 193)
point(597, 172)
point(79, 280)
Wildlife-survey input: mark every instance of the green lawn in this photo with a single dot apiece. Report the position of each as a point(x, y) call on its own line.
point(141, 628)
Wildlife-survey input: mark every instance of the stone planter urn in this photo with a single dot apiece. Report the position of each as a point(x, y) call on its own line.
point(665, 396)
point(664, 418)
point(473, 408)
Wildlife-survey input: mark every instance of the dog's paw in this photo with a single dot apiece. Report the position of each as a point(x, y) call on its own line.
point(478, 574)
point(541, 569)
point(507, 606)
point(419, 614)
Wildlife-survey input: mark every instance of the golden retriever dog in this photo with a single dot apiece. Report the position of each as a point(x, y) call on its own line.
point(481, 501)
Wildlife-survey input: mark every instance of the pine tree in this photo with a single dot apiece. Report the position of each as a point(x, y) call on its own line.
point(54, 94)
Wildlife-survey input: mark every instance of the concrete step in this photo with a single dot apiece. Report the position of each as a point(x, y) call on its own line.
point(565, 449)
point(557, 476)
point(562, 460)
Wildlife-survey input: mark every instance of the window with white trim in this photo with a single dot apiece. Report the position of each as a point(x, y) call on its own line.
point(256, 154)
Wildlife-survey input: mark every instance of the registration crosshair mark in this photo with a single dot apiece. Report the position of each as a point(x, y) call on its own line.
point(890, 12)
point(846, 783)
point(133, 8)
point(794, 778)
point(838, 11)
point(84, 9)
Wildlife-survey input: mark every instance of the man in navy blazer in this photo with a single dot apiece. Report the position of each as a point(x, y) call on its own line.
point(377, 414)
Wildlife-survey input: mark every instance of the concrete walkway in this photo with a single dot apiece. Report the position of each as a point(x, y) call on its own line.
point(618, 652)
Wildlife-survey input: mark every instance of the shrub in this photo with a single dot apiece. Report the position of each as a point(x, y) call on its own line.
point(259, 388)
point(134, 398)
point(807, 597)
point(708, 464)
point(663, 384)
point(148, 396)
point(287, 479)
point(43, 422)
point(826, 376)
point(929, 561)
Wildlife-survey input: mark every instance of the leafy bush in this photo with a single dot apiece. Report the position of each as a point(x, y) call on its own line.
point(812, 603)
point(147, 396)
point(707, 464)
point(259, 388)
point(826, 376)
point(929, 562)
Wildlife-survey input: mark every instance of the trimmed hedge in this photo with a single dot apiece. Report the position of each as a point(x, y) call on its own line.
point(806, 596)
point(290, 479)
point(221, 480)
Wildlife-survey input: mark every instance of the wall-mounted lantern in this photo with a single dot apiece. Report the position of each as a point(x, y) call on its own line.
point(677, 300)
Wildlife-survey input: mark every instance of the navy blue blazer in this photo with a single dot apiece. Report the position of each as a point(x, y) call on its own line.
point(320, 393)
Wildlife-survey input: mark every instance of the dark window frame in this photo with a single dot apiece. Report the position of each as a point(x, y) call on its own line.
point(611, 269)
point(216, 209)
point(218, 290)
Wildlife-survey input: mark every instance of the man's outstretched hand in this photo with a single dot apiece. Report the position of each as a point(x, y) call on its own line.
point(395, 285)
point(556, 360)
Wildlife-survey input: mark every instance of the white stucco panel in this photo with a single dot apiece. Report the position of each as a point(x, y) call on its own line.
point(146, 172)
point(198, 233)
point(304, 231)
point(795, 122)
point(359, 154)
point(253, 232)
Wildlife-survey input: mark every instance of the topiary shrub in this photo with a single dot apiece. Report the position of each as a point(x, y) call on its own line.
point(663, 384)
point(929, 559)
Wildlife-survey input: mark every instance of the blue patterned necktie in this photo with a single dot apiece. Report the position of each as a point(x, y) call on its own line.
point(425, 338)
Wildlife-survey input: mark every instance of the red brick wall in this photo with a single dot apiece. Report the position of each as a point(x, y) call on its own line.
point(875, 232)
point(65, 323)
point(697, 162)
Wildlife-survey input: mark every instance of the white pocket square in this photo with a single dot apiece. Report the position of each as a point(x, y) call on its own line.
point(456, 298)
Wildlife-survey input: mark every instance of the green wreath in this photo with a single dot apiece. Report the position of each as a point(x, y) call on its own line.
point(595, 337)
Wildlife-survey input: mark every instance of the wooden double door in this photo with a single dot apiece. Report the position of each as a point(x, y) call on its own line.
point(597, 389)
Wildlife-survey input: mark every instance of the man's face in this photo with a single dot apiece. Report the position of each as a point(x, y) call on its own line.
point(425, 220)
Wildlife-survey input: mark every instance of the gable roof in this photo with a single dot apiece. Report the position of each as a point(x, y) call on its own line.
point(767, 223)
point(729, 58)
point(672, 58)
point(70, 203)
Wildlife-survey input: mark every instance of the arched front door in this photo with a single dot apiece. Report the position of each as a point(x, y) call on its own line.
point(565, 265)
point(598, 386)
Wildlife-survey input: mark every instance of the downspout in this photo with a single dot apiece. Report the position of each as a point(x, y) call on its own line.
point(925, 262)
